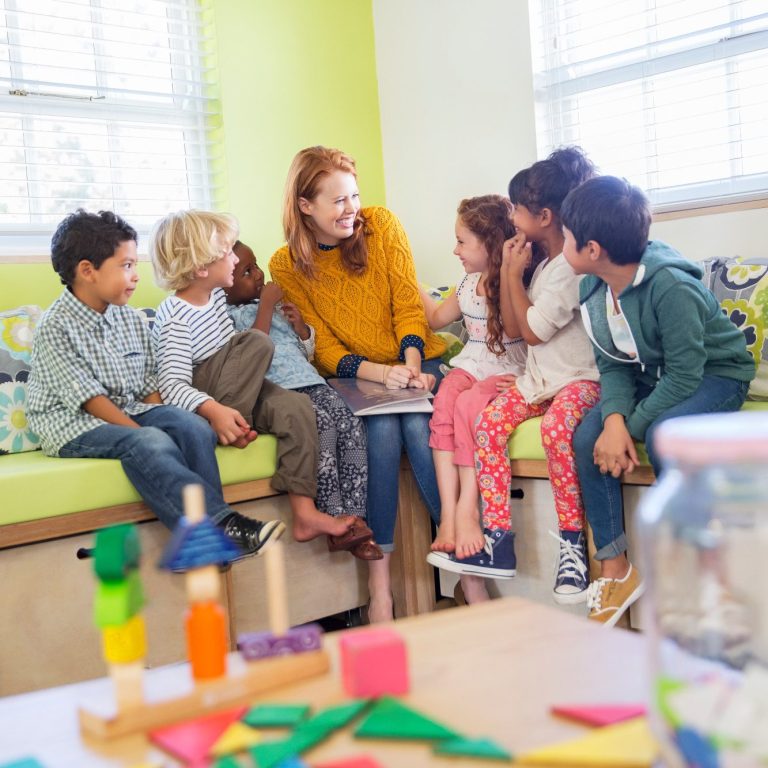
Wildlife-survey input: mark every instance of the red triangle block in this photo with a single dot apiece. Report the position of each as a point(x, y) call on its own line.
point(358, 761)
point(606, 714)
point(192, 740)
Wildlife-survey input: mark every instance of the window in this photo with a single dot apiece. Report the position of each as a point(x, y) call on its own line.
point(669, 93)
point(103, 104)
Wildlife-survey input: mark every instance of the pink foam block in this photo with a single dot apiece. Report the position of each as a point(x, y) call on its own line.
point(605, 714)
point(373, 663)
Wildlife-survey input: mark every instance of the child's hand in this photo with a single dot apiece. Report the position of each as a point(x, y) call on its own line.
point(293, 316)
point(271, 293)
point(228, 424)
point(516, 254)
point(614, 450)
point(420, 380)
point(503, 383)
point(398, 377)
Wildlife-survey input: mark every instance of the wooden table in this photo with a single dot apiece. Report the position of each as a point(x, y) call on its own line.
point(489, 670)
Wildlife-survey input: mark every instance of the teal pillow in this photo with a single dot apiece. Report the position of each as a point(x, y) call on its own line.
point(17, 326)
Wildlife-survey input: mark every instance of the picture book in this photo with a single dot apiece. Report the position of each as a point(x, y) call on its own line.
point(367, 398)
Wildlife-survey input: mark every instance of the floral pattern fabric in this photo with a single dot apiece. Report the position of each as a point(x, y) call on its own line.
point(17, 327)
point(562, 414)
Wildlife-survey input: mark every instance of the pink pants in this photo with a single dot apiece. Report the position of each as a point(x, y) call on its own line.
point(459, 401)
point(562, 414)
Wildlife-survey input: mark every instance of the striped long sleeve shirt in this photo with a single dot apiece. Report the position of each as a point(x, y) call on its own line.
point(185, 336)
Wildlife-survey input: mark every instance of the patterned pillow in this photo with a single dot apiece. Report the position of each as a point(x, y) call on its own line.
point(741, 287)
point(17, 327)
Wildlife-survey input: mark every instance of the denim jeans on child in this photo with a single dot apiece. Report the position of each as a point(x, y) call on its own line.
point(172, 449)
point(602, 493)
point(387, 434)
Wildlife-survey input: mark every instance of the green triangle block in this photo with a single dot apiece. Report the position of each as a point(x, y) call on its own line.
point(226, 762)
point(482, 748)
point(333, 718)
point(664, 687)
point(389, 719)
point(275, 715)
point(272, 753)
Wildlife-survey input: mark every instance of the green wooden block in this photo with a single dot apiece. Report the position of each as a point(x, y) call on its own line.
point(226, 762)
point(116, 552)
point(389, 719)
point(485, 749)
point(275, 715)
point(118, 601)
point(333, 718)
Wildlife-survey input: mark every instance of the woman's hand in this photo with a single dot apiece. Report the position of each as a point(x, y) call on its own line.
point(503, 383)
point(422, 381)
point(398, 377)
point(294, 317)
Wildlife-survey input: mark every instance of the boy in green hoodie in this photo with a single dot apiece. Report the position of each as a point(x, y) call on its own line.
point(663, 348)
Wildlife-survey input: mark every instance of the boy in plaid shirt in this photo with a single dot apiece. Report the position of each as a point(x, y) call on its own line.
point(93, 387)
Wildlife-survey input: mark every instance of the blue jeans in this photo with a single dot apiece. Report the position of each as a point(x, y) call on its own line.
point(602, 493)
point(172, 449)
point(387, 434)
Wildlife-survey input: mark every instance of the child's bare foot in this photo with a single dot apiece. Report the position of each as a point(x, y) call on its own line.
point(309, 524)
point(469, 533)
point(445, 541)
point(246, 439)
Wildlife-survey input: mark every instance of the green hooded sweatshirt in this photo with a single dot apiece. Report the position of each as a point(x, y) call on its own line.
point(680, 332)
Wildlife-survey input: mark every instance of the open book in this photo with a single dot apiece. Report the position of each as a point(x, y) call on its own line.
point(367, 398)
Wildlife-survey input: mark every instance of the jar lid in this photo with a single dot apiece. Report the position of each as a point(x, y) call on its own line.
point(717, 437)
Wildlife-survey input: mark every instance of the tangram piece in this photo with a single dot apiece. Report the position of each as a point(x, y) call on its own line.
point(226, 762)
point(485, 749)
point(237, 738)
point(626, 745)
point(25, 762)
point(607, 714)
point(696, 749)
point(389, 719)
point(194, 545)
point(270, 754)
point(665, 688)
point(357, 761)
point(192, 741)
point(275, 715)
point(373, 663)
point(333, 718)
point(293, 762)
point(259, 645)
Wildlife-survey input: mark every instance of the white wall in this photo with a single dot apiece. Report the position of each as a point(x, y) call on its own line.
point(456, 113)
point(457, 120)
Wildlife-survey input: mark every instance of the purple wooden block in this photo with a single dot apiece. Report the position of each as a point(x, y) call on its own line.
point(260, 645)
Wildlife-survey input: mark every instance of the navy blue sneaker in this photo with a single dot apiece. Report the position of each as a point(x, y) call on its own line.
point(572, 571)
point(495, 561)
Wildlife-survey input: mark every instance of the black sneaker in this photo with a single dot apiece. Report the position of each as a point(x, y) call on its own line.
point(252, 536)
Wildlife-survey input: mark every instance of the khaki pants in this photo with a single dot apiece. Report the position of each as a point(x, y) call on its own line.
point(234, 376)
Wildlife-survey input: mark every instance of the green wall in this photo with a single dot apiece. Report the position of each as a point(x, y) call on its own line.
point(293, 73)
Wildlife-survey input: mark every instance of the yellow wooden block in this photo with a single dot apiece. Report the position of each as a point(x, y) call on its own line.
point(237, 738)
point(625, 745)
point(125, 643)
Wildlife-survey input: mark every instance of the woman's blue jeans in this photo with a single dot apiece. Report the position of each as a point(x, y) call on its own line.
point(387, 435)
point(602, 493)
point(172, 449)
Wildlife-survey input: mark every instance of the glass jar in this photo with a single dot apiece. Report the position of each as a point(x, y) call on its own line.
point(704, 541)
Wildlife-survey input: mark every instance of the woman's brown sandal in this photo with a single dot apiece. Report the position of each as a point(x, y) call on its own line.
point(367, 550)
point(358, 533)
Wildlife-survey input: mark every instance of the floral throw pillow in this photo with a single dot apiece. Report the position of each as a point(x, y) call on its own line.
point(17, 327)
point(741, 287)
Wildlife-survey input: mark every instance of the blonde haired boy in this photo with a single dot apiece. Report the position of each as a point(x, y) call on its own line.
point(206, 367)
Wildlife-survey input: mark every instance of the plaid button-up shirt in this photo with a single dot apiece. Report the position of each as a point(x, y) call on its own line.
point(78, 354)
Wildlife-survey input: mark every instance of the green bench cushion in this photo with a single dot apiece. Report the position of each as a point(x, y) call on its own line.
point(37, 486)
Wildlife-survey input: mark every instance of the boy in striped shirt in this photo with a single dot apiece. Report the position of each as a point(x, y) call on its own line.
point(204, 366)
point(93, 388)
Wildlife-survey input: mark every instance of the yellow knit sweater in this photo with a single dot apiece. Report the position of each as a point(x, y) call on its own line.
point(367, 314)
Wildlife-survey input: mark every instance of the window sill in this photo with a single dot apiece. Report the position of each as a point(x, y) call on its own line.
point(708, 210)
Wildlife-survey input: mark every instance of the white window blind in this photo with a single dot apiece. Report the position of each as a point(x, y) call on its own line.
point(672, 94)
point(104, 104)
